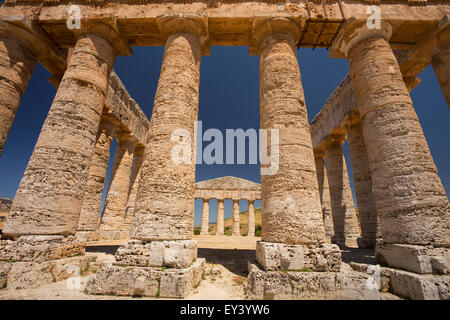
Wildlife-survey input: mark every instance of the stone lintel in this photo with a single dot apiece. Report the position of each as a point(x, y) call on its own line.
point(281, 256)
point(177, 254)
point(418, 259)
point(146, 281)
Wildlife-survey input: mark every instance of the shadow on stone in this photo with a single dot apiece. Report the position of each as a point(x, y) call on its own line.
point(234, 260)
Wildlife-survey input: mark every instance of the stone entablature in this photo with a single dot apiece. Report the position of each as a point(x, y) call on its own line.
point(228, 188)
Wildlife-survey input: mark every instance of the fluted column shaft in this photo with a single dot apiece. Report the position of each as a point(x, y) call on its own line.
point(17, 63)
point(411, 202)
point(236, 223)
point(134, 184)
point(113, 218)
point(343, 210)
point(324, 192)
point(251, 218)
point(362, 180)
point(51, 192)
point(291, 210)
point(220, 217)
point(441, 66)
point(205, 217)
point(90, 210)
point(165, 200)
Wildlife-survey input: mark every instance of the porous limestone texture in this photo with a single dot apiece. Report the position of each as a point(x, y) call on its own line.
point(113, 218)
point(220, 217)
point(26, 275)
point(134, 184)
point(280, 256)
point(164, 208)
point(205, 217)
point(291, 285)
point(173, 254)
point(50, 195)
point(367, 208)
point(17, 62)
point(418, 259)
point(441, 66)
point(40, 248)
point(291, 211)
point(90, 210)
point(344, 215)
point(324, 193)
point(146, 281)
point(251, 218)
point(411, 202)
point(236, 228)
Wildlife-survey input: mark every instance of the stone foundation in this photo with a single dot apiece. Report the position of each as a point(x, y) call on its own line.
point(418, 259)
point(146, 281)
point(40, 248)
point(85, 236)
point(281, 256)
point(293, 285)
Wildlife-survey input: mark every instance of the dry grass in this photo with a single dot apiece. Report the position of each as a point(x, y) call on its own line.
point(243, 219)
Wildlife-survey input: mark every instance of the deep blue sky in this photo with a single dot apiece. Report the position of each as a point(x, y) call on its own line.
point(229, 98)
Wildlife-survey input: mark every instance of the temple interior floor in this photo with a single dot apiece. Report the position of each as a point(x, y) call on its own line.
point(224, 279)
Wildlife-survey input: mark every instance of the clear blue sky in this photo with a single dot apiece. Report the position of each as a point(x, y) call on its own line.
point(229, 98)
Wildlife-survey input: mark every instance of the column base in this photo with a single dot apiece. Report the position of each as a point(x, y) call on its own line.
point(40, 248)
point(86, 236)
point(349, 241)
point(281, 256)
point(292, 285)
point(418, 259)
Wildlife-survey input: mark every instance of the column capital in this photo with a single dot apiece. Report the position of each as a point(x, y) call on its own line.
point(353, 120)
point(170, 24)
point(263, 28)
point(139, 150)
point(108, 30)
point(319, 153)
point(125, 136)
point(353, 31)
point(335, 139)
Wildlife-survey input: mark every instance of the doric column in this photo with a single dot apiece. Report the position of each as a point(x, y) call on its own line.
point(17, 61)
point(324, 193)
point(291, 210)
point(51, 192)
point(220, 218)
point(236, 230)
point(441, 66)
point(113, 218)
point(205, 217)
point(134, 183)
point(251, 218)
point(165, 201)
point(362, 181)
point(90, 210)
point(412, 205)
point(342, 207)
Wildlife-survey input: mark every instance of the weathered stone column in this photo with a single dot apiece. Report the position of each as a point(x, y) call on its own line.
point(220, 218)
point(412, 205)
point(441, 66)
point(17, 62)
point(236, 230)
point(90, 210)
point(251, 218)
point(344, 215)
point(324, 193)
point(362, 180)
point(205, 217)
point(50, 195)
point(113, 218)
point(291, 206)
point(134, 184)
point(165, 201)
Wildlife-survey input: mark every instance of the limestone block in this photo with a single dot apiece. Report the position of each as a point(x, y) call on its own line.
point(179, 254)
point(86, 236)
point(309, 285)
point(418, 259)
point(4, 270)
point(279, 256)
point(40, 248)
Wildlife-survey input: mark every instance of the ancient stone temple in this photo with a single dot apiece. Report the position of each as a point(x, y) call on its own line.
point(308, 210)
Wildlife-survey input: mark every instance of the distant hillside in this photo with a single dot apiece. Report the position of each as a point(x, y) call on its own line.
point(243, 219)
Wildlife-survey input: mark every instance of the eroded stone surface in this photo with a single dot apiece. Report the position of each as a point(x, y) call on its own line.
point(324, 192)
point(441, 66)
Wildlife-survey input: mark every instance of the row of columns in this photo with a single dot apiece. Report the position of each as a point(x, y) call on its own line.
point(411, 203)
point(236, 231)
